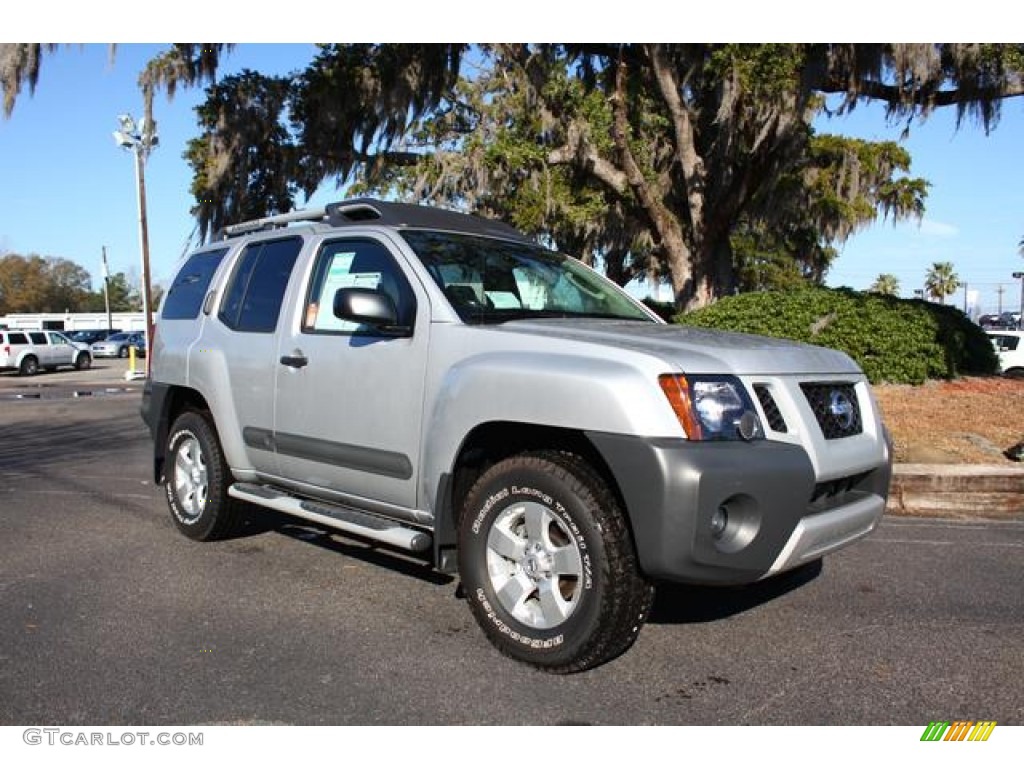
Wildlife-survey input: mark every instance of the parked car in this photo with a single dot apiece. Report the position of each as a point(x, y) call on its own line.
point(91, 336)
point(118, 345)
point(1002, 321)
point(1010, 348)
point(441, 384)
point(29, 351)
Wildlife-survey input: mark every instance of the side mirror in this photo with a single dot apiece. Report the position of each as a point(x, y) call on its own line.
point(367, 306)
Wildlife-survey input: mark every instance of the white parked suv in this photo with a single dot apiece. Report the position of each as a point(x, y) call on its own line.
point(441, 384)
point(1010, 348)
point(28, 352)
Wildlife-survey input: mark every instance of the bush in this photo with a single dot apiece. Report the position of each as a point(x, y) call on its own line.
point(893, 340)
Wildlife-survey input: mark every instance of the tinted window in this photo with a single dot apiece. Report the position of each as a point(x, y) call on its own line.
point(355, 264)
point(253, 298)
point(185, 297)
point(37, 338)
point(17, 338)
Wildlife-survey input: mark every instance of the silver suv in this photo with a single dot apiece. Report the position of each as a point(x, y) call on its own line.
point(441, 384)
point(28, 352)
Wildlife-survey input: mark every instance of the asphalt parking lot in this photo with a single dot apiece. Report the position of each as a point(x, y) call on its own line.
point(108, 616)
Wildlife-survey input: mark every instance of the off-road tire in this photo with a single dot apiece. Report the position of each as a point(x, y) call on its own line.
point(547, 521)
point(197, 480)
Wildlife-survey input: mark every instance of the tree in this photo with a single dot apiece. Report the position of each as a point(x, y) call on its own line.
point(650, 157)
point(886, 285)
point(941, 281)
point(653, 157)
point(36, 283)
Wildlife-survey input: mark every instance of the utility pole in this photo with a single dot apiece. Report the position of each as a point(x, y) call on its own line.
point(1020, 320)
point(999, 292)
point(106, 290)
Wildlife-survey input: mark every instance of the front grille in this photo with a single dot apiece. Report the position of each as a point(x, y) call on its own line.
point(771, 410)
point(835, 407)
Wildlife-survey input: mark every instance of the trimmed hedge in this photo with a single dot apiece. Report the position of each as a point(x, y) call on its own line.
point(893, 340)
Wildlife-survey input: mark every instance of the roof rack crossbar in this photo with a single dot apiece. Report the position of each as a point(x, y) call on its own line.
point(271, 222)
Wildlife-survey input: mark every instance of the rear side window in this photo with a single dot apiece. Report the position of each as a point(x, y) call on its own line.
point(38, 338)
point(252, 302)
point(185, 297)
point(17, 338)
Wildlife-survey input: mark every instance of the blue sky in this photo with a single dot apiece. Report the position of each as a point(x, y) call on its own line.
point(69, 190)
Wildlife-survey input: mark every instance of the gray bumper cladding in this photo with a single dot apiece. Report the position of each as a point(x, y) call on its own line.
point(732, 513)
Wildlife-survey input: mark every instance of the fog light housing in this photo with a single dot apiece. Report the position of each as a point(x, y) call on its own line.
point(719, 522)
point(734, 523)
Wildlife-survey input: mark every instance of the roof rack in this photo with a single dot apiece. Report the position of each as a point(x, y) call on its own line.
point(269, 222)
point(362, 210)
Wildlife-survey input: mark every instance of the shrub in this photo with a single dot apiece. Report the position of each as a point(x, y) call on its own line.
point(893, 340)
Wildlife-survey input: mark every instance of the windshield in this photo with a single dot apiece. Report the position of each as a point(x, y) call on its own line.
point(491, 281)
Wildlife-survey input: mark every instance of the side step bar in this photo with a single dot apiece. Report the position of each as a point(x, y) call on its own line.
point(334, 516)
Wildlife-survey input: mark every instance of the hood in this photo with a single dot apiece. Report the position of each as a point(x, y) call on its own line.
point(696, 350)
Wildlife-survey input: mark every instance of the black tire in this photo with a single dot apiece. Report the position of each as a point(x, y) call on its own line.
point(83, 362)
point(197, 480)
point(1015, 373)
point(547, 522)
point(29, 366)
point(122, 351)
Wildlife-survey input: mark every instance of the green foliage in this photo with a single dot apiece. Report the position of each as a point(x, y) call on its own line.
point(35, 283)
point(887, 284)
point(893, 340)
point(941, 281)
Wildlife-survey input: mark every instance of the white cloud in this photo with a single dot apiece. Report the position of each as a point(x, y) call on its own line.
point(933, 228)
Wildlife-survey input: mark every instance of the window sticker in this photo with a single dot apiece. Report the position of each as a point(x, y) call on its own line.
point(339, 275)
point(503, 300)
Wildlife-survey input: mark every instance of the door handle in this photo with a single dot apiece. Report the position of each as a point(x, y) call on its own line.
point(296, 360)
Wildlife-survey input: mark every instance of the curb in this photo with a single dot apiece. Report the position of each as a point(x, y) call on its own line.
point(962, 491)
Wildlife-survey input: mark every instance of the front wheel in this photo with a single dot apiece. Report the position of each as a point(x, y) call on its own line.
point(83, 361)
point(29, 366)
point(122, 352)
point(197, 480)
point(548, 564)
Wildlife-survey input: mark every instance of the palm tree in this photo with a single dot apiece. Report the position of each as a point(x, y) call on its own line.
point(941, 281)
point(886, 284)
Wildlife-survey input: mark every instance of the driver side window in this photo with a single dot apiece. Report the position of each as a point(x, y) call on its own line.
point(354, 264)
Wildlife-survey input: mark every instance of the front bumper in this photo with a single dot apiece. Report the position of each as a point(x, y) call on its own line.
point(775, 513)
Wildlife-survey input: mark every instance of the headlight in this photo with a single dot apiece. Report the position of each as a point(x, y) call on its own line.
point(711, 407)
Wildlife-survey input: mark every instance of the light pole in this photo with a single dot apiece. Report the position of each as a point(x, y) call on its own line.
point(106, 291)
point(140, 139)
point(1020, 321)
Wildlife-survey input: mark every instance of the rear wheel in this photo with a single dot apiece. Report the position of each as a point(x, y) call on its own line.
point(29, 366)
point(548, 564)
point(197, 480)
